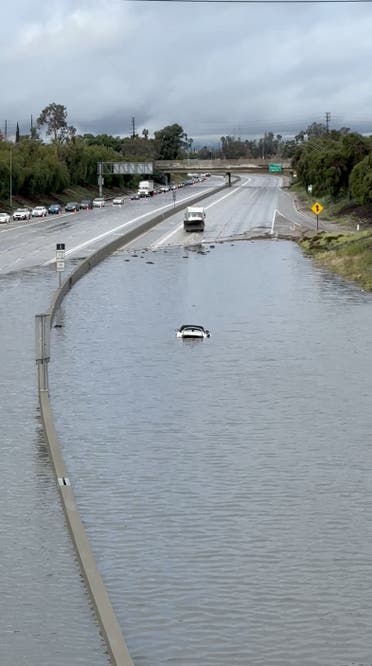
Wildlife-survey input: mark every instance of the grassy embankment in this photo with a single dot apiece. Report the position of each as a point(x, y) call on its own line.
point(347, 252)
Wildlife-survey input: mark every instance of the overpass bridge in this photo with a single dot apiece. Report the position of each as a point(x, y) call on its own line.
point(169, 167)
point(222, 166)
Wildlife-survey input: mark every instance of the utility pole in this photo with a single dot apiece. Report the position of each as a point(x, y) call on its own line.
point(133, 127)
point(11, 177)
point(6, 130)
point(328, 120)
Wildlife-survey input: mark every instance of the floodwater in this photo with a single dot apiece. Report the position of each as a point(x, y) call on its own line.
point(46, 618)
point(226, 483)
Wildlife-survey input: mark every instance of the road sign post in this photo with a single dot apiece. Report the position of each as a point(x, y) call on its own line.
point(317, 208)
point(60, 261)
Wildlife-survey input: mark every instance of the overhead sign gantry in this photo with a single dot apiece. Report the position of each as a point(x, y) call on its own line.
point(122, 168)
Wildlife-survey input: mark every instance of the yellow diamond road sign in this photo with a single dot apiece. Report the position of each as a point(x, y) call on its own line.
point(317, 208)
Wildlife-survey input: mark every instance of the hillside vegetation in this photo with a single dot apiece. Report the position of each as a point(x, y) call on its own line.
point(335, 169)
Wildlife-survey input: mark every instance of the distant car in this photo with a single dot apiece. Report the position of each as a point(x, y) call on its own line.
point(165, 188)
point(22, 214)
point(118, 201)
point(85, 204)
point(134, 197)
point(72, 207)
point(54, 209)
point(39, 211)
point(99, 202)
point(4, 218)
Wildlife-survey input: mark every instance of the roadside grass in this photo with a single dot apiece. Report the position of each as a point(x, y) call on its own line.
point(349, 255)
point(344, 211)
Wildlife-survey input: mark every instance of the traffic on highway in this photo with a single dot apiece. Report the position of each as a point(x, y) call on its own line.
point(252, 205)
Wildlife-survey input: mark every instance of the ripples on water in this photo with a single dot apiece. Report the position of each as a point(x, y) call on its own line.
point(225, 484)
point(45, 616)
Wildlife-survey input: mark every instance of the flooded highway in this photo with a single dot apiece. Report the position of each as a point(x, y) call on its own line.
point(224, 483)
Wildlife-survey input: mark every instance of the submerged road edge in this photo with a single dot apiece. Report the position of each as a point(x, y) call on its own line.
point(105, 613)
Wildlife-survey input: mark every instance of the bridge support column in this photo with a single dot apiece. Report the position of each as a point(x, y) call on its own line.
point(228, 178)
point(167, 179)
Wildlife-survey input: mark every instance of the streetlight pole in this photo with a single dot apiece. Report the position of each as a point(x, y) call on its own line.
point(11, 176)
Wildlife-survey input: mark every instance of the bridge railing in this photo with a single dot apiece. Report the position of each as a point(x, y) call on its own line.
point(220, 164)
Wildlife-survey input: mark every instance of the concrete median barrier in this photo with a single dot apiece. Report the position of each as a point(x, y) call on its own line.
point(111, 630)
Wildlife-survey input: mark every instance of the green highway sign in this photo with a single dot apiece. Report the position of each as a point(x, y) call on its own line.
point(275, 168)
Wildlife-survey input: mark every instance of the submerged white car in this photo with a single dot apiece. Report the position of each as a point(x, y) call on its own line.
point(193, 331)
point(4, 218)
point(118, 201)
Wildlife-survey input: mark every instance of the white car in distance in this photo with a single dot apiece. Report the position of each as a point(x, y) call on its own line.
point(99, 202)
point(4, 218)
point(118, 201)
point(39, 211)
point(22, 214)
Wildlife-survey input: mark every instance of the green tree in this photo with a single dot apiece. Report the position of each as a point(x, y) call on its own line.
point(170, 142)
point(327, 161)
point(54, 118)
point(312, 131)
point(361, 181)
point(204, 153)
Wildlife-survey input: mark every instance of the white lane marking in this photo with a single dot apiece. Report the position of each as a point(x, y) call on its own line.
point(28, 223)
point(118, 228)
point(273, 221)
point(164, 239)
point(277, 211)
point(296, 210)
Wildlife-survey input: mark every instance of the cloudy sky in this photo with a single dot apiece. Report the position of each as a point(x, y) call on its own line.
point(215, 68)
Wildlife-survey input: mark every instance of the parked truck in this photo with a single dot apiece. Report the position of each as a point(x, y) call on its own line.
point(194, 219)
point(146, 188)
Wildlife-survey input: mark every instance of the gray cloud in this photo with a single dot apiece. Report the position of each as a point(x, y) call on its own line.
point(215, 69)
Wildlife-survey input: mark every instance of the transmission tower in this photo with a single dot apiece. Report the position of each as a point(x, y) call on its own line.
point(327, 120)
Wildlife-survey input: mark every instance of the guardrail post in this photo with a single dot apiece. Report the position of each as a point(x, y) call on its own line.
point(42, 348)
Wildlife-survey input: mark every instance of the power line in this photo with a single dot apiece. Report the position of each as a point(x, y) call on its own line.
point(258, 2)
